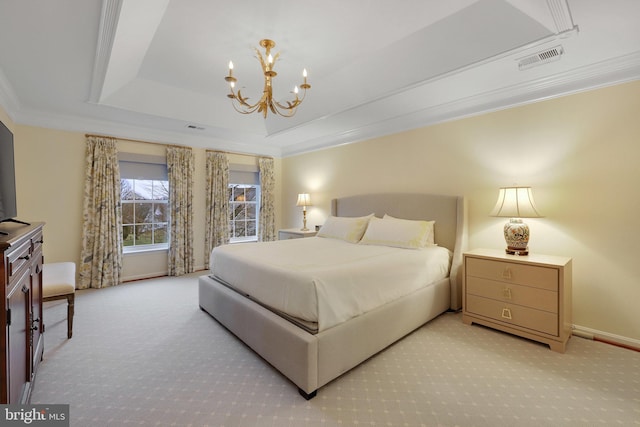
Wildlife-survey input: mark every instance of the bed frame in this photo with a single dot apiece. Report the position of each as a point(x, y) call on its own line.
point(311, 361)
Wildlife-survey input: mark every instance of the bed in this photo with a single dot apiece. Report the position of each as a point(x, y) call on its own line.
point(311, 352)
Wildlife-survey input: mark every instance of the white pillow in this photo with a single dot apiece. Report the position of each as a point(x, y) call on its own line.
point(400, 233)
point(349, 229)
point(430, 239)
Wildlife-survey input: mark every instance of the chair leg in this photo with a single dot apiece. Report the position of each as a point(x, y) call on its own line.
point(70, 310)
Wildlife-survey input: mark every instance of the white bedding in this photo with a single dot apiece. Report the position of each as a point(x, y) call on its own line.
point(327, 281)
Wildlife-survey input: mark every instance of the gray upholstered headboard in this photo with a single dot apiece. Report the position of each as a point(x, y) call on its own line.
point(449, 213)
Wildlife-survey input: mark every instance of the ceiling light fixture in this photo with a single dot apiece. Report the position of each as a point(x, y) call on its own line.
point(266, 102)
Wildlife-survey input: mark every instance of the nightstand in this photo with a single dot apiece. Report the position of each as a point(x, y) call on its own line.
point(529, 296)
point(295, 233)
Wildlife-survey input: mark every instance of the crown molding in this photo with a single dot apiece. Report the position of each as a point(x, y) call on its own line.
point(72, 123)
point(606, 73)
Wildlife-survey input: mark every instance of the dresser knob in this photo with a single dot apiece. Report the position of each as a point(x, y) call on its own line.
point(506, 293)
point(506, 274)
point(506, 313)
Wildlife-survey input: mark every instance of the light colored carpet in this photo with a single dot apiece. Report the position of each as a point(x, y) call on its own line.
point(144, 354)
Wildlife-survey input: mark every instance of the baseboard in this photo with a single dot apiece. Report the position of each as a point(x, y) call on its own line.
point(154, 275)
point(596, 335)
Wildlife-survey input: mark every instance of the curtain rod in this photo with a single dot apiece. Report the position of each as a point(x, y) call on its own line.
point(136, 140)
point(173, 145)
point(238, 154)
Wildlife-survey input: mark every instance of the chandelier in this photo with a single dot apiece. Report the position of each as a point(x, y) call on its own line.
point(241, 103)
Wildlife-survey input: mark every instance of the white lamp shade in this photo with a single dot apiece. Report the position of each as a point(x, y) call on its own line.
point(515, 202)
point(303, 200)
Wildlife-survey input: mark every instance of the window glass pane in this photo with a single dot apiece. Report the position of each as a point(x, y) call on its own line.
point(144, 234)
point(251, 194)
point(238, 194)
point(127, 213)
point(160, 190)
point(143, 212)
point(160, 233)
point(161, 213)
point(238, 211)
point(127, 235)
point(143, 189)
point(239, 229)
point(251, 228)
point(251, 211)
point(126, 189)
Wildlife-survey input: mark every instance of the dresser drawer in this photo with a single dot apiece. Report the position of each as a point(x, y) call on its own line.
point(540, 299)
point(525, 317)
point(18, 259)
point(529, 275)
point(37, 241)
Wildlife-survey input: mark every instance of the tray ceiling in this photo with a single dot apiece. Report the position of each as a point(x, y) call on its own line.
point(154, 69)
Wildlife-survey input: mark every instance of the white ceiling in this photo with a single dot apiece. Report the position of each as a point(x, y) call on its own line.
point(150, 69)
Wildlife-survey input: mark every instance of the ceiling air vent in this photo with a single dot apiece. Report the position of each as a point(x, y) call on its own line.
point(540, 58)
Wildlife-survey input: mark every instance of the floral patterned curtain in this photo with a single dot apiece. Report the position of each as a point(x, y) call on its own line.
point(101, 256)
point(217, 225)
point(180, 169)
point(267, 219)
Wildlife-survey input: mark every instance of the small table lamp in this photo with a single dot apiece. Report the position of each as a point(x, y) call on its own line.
point(304, 200)
point(516, 203)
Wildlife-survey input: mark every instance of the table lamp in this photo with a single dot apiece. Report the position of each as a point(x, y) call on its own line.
point(304, 200)
point(516, 203)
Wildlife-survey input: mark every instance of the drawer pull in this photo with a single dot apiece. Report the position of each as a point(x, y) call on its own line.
point(26, 257)
point(506, 293)
point(506, 273)
point(506, 313)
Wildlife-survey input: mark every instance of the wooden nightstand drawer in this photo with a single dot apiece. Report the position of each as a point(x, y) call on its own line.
point(536, 276)
point(525, 317)
point(540, 299)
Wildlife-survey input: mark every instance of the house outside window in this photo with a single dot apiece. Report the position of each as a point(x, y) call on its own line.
point(244, 203)
point(144, 193)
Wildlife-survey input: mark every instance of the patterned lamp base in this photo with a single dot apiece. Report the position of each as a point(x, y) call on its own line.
point(516, 234)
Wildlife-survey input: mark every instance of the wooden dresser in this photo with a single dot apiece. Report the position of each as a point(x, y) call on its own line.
point(21, 320)
point(529, 296)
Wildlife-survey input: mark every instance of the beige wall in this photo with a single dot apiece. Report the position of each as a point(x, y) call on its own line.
point(579, 153)
point(50, 168)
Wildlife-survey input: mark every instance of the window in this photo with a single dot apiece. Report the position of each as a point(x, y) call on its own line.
point(144, 192)
point(244, 197)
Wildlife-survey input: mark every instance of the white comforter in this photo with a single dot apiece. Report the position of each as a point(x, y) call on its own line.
point(327, 280)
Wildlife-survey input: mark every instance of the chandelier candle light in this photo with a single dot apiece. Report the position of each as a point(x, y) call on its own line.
point(240, 103)
point(304, 200)
point(516, 203)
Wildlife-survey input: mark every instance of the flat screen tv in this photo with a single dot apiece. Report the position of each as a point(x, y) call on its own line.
point(8, 205)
